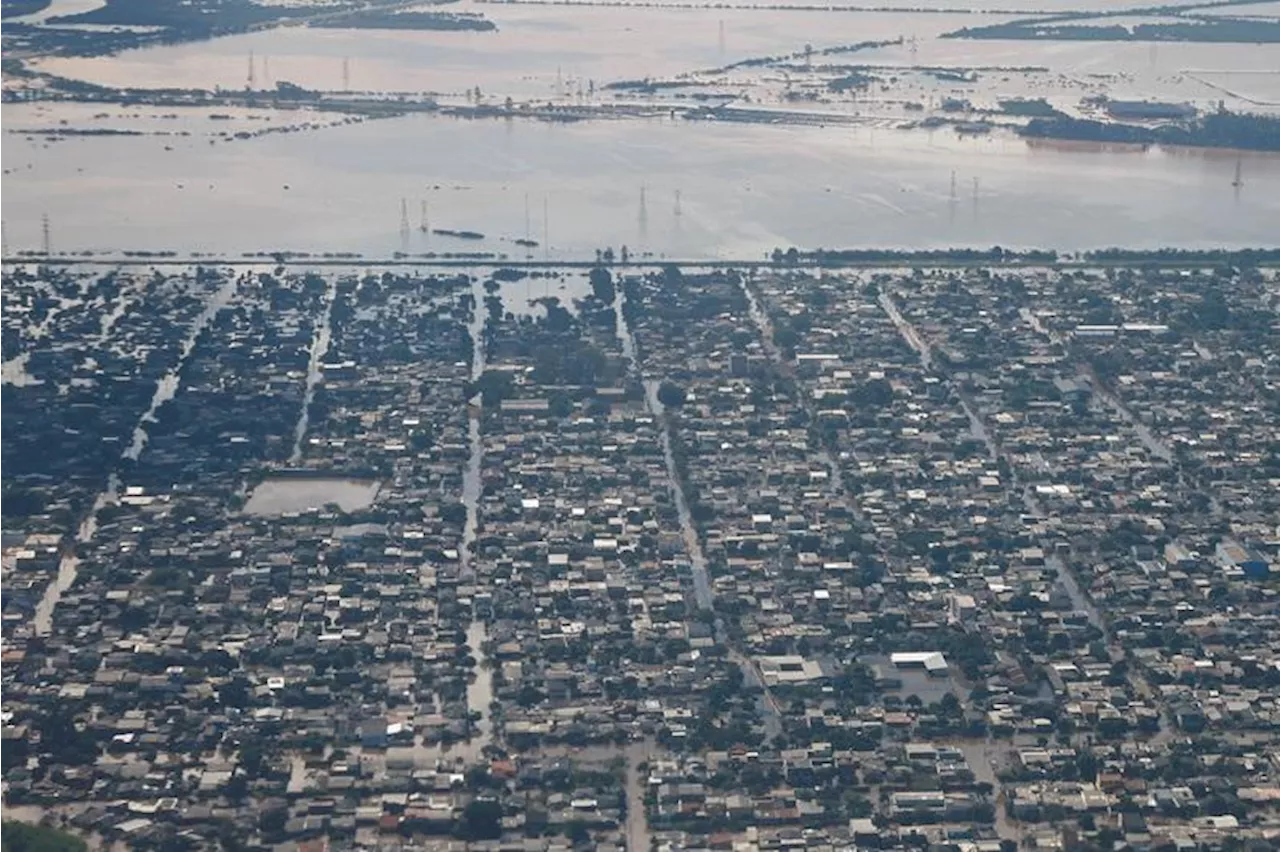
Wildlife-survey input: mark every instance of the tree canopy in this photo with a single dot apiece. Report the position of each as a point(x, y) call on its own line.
point(25, 837)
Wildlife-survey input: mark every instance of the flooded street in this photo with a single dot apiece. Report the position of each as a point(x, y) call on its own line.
point(637, 827)
point(697, 561)
point(702, 593)
point(907, 330)
point(68, 565)
point(635, 754)
point(167, 386)
point(471, 482)
point(480, 690)
point(319, 347)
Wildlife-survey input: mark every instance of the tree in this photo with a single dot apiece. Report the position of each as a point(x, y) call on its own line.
point(234, 693)
point(64, 742)
point(560, 405)
point(602, 284)
point(671, 394)
point(20, 503)
point(272, 821)
point(494, 386)
point(482, 820)
point(24, 837)
point(579, 833)
point(876, 393)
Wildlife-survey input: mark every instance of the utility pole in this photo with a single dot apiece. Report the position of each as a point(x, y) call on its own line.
point(678, 210)
point(45, 243)
point(249, 83)
point(346, 74)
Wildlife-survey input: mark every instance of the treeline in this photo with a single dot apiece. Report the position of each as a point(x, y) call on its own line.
point(995, 254)
point(1245, 131)
point(650, 86)
point(855, 79)
point(195, 19)
point(375, 19)
point(1037, 108)
point(1230, 257)
point(1215, 30)
point(760, 61)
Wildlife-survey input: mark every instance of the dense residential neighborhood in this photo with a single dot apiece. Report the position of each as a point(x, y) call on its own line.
point(975, 557)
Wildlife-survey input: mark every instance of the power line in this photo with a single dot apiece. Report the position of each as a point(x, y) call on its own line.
point(45, 242)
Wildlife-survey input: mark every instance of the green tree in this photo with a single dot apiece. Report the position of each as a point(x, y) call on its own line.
point(671, 395)
point(24, 837)
point(482, 820)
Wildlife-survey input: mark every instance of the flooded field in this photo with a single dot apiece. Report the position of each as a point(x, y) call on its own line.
point(282, 495)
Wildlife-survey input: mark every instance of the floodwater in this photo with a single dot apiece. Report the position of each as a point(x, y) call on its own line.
point(480, 690)
point(745, 189)
point(168, 384)
point(69, 564)
point(319, 346)
point(537, 51)
point(284, 495)
point(14, 371)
